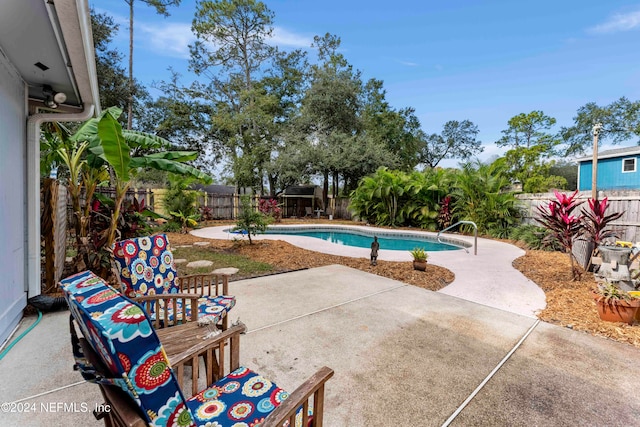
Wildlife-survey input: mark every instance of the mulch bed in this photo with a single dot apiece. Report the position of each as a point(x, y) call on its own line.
point(569, 303)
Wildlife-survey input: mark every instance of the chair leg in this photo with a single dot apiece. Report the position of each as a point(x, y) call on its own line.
point(225, 322)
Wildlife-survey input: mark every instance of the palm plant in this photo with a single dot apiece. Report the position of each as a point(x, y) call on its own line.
point(480, 196)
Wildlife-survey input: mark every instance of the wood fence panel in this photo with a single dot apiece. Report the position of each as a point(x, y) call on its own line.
point(53, 231)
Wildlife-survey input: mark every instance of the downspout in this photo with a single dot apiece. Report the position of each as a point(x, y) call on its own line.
point(33, 190)
point(91, 106)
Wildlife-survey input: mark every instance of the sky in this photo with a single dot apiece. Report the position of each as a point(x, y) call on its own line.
point(479, 60)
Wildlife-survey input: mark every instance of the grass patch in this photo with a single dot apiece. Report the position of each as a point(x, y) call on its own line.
point(246, 265)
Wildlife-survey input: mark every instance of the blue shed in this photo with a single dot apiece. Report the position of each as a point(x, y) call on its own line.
point(618, 169)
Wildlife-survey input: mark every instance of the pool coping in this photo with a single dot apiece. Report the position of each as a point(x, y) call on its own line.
point(373, 231)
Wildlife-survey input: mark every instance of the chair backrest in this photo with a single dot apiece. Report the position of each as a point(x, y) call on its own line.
point(146, 266)
point(121, 334)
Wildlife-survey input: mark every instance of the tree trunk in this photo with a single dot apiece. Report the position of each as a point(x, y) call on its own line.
point(130, 100)
point(325, 187)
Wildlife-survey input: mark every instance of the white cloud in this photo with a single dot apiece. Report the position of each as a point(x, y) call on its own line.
point(618, 22)
point(282, 37)
point(170, 39)
point(409, 63)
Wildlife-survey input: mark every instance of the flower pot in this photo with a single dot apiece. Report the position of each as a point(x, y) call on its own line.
point(618, 310)
point(420, 265)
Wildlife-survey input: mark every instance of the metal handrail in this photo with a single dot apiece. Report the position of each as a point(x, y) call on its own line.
point(475, 236)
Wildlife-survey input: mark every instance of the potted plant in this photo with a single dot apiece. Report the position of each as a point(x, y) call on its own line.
point(615, 304)
point(419, 259)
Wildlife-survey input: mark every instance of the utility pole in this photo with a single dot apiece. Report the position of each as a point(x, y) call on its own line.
point(594, 165)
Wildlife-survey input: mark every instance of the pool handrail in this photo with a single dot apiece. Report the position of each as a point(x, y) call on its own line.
point(475, 236)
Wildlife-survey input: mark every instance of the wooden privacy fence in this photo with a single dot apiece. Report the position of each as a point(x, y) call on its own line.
point(223, 206)
point(53, 231)
point(627, 227)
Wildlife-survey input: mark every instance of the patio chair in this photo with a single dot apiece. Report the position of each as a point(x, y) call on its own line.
point(148, 275)
point(123, 355)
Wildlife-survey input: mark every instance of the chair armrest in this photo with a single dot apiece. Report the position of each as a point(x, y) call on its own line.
point(300, 398)
point(157, 303)
point(214, 365)
point(204, 284)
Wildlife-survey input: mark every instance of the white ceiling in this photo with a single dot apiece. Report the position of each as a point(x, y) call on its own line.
point(27, 37)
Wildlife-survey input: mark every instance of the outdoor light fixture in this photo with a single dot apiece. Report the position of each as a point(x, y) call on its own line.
point(52, 98)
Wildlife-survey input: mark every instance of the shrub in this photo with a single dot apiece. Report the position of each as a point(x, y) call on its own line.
point(250, 220)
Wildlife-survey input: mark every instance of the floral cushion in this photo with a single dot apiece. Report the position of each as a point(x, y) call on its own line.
point(146, 266)
point(242, 398)
point(122, 336)
point(215, 307)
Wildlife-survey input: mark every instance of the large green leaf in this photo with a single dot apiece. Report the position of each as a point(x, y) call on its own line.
point(144, 140)
point(178, 156)
point(170, 166)
point(116, 150)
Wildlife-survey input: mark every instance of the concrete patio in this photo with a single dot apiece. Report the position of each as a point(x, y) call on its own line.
point(402, 356)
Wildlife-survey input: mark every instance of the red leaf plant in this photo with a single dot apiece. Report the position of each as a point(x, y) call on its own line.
point(558, 216)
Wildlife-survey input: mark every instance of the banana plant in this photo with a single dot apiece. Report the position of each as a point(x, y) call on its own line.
point(101, 150)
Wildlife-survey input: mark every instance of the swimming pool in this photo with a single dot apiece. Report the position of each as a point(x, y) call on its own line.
point(362, 238)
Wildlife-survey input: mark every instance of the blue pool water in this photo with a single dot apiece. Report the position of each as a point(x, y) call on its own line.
point(360, 241)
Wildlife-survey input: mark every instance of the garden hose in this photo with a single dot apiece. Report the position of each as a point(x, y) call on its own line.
point(15, 341)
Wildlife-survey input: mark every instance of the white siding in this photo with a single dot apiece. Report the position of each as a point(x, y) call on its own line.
point(12, 197)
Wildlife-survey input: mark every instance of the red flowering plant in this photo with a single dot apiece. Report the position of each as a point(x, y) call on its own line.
point(270, 208)
point(595, 221)
point(558, 216)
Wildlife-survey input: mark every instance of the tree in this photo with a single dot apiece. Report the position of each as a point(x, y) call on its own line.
point(161, 8)
point(250, 220)
point(398, 130)
point(457, 141)
point(620, 122)
point(231, 49)
point(530, 146)
point(113, 84)
point(527, 130)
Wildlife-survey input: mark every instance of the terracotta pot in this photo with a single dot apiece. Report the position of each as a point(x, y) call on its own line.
point(420, 265)
point(618, 310)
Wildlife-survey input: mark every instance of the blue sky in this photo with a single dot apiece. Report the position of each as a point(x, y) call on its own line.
point(485, 61)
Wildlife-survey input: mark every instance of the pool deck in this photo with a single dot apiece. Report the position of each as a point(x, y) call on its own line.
point(487, 278)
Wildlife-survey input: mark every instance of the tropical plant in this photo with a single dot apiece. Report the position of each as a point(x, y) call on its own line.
point(595, 221)
point(419, 254)
point(558, 217)
point(251, 221)
point(534, 237)
point(481, 195)
point(270, 208)
point(607, 292)
point(185, 220)
point(100, 151)
point(445, 214)
point(397, 198)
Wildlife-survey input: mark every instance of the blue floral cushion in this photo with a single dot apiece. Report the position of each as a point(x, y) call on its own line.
point(122, 336)
point(214, 307)
point(242, 398)
point(146, 266)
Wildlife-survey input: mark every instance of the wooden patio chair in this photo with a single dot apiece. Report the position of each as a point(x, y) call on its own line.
point(148, 275)
point(125, 358)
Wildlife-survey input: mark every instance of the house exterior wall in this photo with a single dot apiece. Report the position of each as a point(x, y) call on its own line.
point(13, 116)
point(610, 175)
